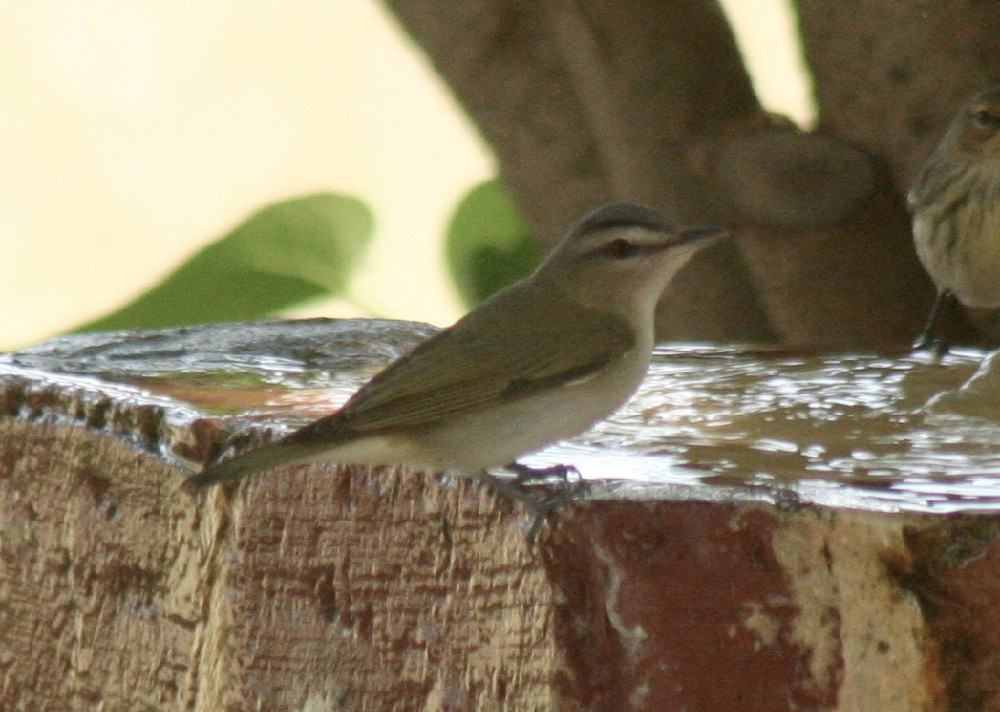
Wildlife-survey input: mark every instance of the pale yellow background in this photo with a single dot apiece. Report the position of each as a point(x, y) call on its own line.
point(132, 133)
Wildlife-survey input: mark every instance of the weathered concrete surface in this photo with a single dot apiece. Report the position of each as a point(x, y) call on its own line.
point(366, 590)
point(390, 590)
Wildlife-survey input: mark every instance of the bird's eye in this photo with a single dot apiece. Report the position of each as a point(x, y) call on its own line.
point(621, 249)
point(984, 119)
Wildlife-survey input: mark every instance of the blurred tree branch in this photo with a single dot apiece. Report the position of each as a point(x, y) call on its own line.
point(586, 102)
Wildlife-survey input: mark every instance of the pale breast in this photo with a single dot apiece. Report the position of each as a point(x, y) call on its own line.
point(961, 250)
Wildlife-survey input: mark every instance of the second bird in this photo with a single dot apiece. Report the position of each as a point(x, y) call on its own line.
point(538, 362)
point(956, 210)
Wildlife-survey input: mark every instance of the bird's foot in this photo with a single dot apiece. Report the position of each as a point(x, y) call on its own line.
point(529, 487)
point(526, 474)
point(934, 346)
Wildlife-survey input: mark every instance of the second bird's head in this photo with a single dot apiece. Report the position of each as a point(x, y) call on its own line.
point(623, 253)
point(975, 131)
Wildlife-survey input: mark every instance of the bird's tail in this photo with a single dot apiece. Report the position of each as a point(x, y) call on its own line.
point(278, 453)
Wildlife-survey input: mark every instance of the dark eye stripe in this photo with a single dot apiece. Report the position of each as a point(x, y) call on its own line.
point(986, 119)
point(621, 249)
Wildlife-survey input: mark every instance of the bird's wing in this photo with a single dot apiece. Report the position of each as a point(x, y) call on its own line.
point(493, 356)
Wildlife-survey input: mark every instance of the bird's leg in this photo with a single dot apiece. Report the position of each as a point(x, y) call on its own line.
point(541, 506)
point(927, 340)
point(515, 490)
point(567, 491)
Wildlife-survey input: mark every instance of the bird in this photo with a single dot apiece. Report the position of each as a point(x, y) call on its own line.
point(955, 203)
point(540, 361)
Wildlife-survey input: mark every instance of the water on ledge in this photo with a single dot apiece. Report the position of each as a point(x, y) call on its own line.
point(849, 430)
point(854, 430)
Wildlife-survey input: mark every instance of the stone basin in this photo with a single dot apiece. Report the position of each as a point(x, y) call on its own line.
point(763, 530)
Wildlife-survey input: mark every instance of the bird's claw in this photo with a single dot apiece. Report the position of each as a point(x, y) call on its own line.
point(936, 347)
point(529, 487)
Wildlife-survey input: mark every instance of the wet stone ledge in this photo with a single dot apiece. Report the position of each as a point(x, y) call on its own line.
point(765, 531)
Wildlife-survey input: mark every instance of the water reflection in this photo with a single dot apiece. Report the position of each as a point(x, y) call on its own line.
point(717, 423)
point(844, 430)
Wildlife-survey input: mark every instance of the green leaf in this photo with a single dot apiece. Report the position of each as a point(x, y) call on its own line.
point(282, 255)
point(488, 244)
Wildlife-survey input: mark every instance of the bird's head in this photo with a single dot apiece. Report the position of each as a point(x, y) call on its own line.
point(623, 253)
point(975, 130)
